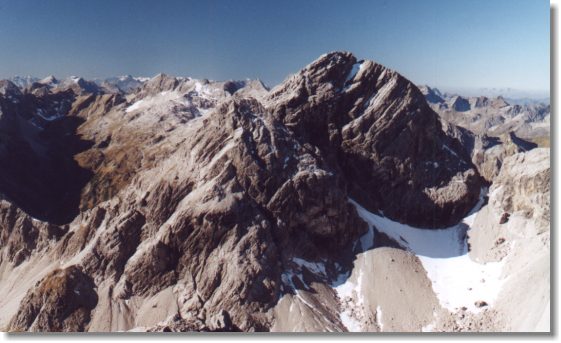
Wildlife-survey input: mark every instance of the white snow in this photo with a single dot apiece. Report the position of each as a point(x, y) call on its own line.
point(457, 280)
point(382, 93)
point(428, 328)
point(431, 326)
point(41, 114)
point(348, 290)
point(350, 323)
point(317, 268)
point(33, 122)
point(379, 318)
point(435, 243)
point(159, 100)
point(206, 91)
point(137, 105)
point(354, 70)
point(167, 102)
point(287, 278)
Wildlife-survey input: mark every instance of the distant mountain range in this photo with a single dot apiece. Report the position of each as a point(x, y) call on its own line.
point(492, 115)
point(514, 96)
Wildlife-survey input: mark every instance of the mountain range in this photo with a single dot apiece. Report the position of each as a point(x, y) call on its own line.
point(345, 198)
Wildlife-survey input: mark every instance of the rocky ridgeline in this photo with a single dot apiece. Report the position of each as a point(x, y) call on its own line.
point(206, 190)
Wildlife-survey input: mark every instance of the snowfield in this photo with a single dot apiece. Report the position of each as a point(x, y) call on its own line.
point(457, 280)
point(163, 99)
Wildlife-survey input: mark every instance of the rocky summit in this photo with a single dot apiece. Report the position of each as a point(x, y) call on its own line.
point(179, 204)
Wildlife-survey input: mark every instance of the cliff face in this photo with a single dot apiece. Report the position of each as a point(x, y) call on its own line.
point(523, 186)
point(376, 128)
point(191, 199)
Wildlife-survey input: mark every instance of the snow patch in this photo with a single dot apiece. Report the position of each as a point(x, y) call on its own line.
point(354, 70)
point(41, 114)
point(350, 293)
point(317, 268)
point(137, 105)
point(434, 243)
point(460, 282)
point(428, 328)
point(379, 318)
point(350, 323)
point(457, 280)
point(159, 100)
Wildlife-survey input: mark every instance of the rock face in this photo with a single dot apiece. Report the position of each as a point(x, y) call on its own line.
point(198, 196)
point(514, 228)
point(377, 129)
point(460, 104)
point(487, 152)
point(523, 185)
point(433, 95)
point(20, 235)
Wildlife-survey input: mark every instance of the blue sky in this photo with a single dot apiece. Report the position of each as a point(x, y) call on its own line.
point(454, 43)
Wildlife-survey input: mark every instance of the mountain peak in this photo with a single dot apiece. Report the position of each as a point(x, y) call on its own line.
point(9, 88)
point(49, 80)
point(432, 95)
point(350, 107)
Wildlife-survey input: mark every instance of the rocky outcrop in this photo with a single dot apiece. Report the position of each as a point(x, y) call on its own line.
point(486, 152)
point(514, 228)
point(62, 301)
point(21, 235)
point(523, 185)
point(489, 160)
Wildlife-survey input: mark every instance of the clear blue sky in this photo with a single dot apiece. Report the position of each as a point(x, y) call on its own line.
point(454, 43)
